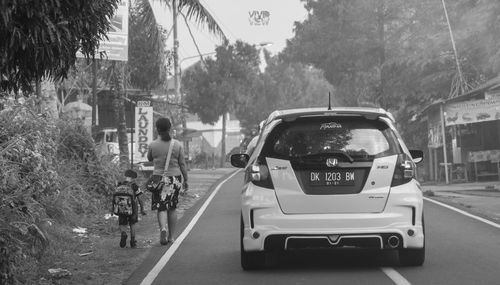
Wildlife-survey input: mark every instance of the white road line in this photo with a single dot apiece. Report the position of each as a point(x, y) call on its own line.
point(464, 213)
point(397, 278)
point(168, 254)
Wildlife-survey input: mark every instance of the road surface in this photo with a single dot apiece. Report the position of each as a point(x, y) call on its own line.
point(460, 250)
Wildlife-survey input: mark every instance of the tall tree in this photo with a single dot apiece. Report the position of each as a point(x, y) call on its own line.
point(48, 33)
point(283, 85)
point(397, 53)
point(213, 88)
point(118, 86)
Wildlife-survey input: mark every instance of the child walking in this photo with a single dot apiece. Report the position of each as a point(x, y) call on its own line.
point(126, 201)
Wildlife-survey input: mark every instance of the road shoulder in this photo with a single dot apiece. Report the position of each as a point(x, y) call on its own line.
point(186, 213)
point(480, 201)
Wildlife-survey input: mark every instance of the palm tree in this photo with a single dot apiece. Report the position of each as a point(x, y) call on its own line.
point(190, 9)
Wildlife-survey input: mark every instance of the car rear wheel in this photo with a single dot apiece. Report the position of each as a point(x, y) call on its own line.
point(412, 257)
point(250, 260)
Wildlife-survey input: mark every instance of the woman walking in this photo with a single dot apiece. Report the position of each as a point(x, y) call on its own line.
point(165, 199)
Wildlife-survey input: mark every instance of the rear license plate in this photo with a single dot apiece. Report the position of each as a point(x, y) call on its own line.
point(331, 178)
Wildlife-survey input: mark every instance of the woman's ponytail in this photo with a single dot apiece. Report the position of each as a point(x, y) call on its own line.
point(165, 136)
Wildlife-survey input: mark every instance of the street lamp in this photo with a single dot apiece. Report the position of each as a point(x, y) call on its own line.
point(259, 45)
point(196, 56)
point(265, 44)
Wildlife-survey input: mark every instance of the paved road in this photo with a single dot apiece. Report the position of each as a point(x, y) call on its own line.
point(460, 250)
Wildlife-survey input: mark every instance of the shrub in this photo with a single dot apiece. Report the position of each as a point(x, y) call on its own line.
point(49, 171)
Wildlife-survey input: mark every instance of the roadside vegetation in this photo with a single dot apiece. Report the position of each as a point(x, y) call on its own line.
point(51, 180)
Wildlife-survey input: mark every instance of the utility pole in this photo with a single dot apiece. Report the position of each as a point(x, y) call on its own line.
point(94, 92)
point(461, 84)
point(177, 79)
point(176, 50)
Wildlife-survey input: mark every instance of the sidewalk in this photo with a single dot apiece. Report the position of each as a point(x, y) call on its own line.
point(478, 198)
point(470, 186)
point(103, 261)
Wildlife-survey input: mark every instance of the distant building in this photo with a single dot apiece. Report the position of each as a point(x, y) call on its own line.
point(207, 138)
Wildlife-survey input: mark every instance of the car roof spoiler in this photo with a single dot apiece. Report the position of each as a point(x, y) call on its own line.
point(367, 114)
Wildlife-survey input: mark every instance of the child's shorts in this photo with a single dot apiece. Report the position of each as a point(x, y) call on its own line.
point(124, 220)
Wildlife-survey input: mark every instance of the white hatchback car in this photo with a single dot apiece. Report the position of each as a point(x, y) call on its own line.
point(326, 179)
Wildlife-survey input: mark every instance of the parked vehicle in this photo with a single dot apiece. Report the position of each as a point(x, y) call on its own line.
point(328, 179)
point(106, 141)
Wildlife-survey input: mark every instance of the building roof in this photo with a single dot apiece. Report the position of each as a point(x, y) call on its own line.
point(476, 93)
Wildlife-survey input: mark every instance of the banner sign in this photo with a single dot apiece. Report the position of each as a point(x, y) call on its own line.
point(143, 129)
point(485, 155)
point(435, 137)
point(472, 111)
point(116, 47)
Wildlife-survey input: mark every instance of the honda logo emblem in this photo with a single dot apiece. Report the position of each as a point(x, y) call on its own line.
point(332, 162)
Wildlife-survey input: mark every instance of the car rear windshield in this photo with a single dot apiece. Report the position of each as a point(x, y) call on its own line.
point(359, 138)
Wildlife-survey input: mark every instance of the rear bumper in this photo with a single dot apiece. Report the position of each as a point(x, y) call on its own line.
point(267, 228)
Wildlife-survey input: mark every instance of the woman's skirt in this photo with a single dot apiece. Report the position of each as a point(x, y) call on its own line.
point(161, 200)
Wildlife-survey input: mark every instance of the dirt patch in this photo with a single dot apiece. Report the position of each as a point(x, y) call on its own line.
point(96, 257)
point(482, 193)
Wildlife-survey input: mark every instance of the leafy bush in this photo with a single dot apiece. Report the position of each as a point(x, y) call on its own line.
point(49, 172)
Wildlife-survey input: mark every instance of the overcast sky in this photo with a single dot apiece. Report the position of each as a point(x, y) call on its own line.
point(234, 18)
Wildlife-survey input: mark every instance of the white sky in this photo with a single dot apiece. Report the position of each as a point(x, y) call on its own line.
point(233, 17)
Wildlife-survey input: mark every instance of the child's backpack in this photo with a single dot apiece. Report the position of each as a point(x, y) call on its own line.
point(123, 200)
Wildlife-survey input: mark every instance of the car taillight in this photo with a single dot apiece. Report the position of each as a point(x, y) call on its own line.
point(404, 171)
point(259, 175)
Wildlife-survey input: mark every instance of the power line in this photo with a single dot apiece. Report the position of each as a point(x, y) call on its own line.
point(194, 40)
point(461, 84)
point(204, 34)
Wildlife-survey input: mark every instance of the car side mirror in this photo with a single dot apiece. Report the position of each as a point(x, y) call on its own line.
point(417, 155)
point(239, 160)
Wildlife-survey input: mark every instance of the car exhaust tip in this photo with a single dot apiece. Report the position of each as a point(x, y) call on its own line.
point(393, 241)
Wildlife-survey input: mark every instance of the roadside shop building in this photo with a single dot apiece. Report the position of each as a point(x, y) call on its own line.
point(464, 136)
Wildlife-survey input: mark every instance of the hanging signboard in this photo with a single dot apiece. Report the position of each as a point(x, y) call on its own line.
point(434, 137)
point(143, 129)
point(472, 111)
point(116, 47)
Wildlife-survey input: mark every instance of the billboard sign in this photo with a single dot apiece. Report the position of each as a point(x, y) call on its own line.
point(116, 47)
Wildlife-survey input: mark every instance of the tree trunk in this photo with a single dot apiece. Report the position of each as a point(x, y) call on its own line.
point(119, 109)
point(94, 92)
point(223, 141)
